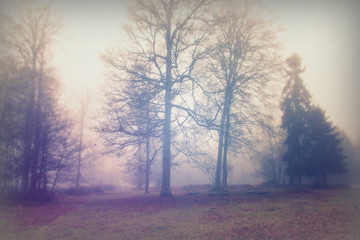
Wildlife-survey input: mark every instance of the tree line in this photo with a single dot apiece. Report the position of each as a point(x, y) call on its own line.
point(196, 81)
point(199, 74)
point(37, 145)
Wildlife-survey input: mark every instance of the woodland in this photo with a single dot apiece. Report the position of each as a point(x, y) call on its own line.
point(195, 83)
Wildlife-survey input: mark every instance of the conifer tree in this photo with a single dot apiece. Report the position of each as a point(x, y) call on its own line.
point(326, 155)
point(295, 106)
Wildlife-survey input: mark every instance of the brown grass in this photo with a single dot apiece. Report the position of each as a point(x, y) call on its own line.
point(277, 214)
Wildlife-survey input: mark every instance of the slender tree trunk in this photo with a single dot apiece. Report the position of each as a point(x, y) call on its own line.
point(5, 168)
point(219, 157)
point(226, 126)
point(147, 173)
point(147, 163)
point(226, 146)
point(29, 127)
point(37, 137)
point(279, 174)
point(78, 172)
point(220, 163)
point(275, 179)
point(43, 181)
point(165, 187)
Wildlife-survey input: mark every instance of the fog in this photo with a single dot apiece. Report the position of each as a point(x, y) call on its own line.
point(325, 33)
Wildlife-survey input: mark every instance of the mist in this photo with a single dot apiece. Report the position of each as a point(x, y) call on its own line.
point(88, 32)
point(179, 119)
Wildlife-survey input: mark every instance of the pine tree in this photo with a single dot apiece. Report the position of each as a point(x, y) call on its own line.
point(326, 155)
point(295, 106)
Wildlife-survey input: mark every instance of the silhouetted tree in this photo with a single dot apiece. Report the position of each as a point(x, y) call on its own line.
point(38, 139)
point(244, 65)
point(166, 39)
point(14, 92)
point(270, 165)
point(352, 160)
point(325, 152)
point(132, 127)
point(84, 107)
point(295, 106)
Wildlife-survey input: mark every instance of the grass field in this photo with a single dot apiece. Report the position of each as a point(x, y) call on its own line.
point(244, 214)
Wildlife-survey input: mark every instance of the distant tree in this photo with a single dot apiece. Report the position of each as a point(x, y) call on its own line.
point(270, 165)
point(351, 151)
point(37, 141)
point(295, 106)
point(58, 149)
point(132, 127)
point(14, 93)
point(326, 155)
point(84, 108)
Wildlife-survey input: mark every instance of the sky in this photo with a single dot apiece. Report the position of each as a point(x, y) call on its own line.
point(327, 36)
point(324, 33)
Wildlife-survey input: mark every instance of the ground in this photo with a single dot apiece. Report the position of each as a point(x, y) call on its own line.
point(246, 213)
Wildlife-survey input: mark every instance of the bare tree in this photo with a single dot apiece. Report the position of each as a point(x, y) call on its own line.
point(58, 148)
point(29, 36)
point(84, 105)
point(167, 42)
point(244, 64)
point(269, 154)
point(13, 101)
point(41, 139)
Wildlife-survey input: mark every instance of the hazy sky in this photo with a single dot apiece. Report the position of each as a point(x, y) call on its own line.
point(324, 33)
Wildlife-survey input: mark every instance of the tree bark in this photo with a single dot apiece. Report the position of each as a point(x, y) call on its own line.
point(226, 146)
point(165, 186)
point(78, 173)
point(219, 157)
point(222, 147)
point(37, 135)
point(275, 179)
point(28, 137)
point(147, 158)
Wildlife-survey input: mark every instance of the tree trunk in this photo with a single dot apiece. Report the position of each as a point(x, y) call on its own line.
point(165, 186)
point(219, 157)
point(29, 121)
point(291, 181)
point(275, 179)
point(147, 162)
point(78, 173)
point(37, 137)
point(221, 140)
point(324, 177)
point(226, 146)
point(279, 175)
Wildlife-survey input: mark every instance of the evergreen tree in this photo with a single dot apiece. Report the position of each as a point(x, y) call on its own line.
point(295, 107)
point(326, 154)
